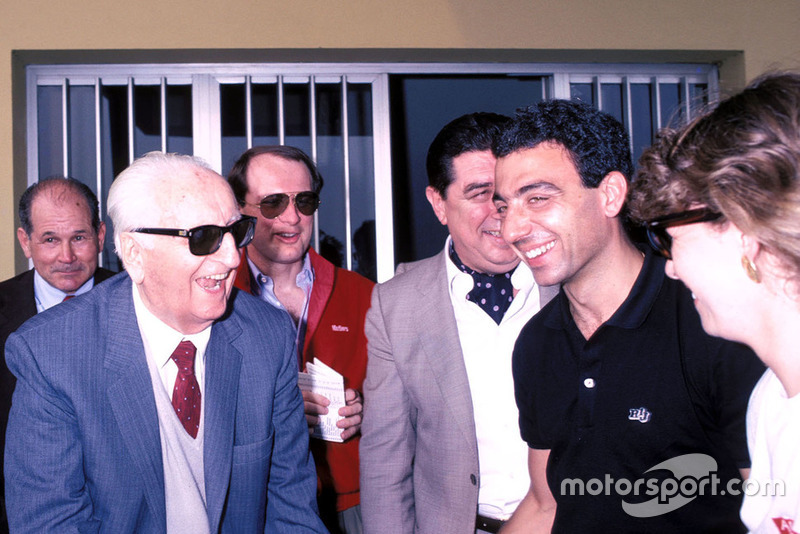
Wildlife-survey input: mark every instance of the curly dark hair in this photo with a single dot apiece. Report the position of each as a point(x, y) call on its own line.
point(596, 142)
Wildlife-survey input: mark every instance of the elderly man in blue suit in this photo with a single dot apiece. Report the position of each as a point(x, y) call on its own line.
point(153, 404)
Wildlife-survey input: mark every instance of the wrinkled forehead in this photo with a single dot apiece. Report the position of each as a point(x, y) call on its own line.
point(195, 199)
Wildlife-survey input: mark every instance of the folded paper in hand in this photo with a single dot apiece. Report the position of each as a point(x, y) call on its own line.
point(323, 380)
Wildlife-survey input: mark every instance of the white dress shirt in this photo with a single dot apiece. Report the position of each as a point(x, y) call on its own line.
point(487, 348)
point(182, 456)
point(160, 340)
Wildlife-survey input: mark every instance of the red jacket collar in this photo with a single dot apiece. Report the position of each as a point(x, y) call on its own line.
point(324, 278)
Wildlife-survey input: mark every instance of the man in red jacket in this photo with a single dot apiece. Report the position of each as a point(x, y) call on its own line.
point(280, 186)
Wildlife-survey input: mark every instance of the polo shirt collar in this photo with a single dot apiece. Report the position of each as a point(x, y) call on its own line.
point(642, 297)
point(636, 307)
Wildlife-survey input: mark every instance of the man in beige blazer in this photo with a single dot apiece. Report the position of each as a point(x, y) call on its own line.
point(441, 450)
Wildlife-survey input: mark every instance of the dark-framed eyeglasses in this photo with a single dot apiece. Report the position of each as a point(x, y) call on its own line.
point(273, 205)
point(206, 239)
point(657, 233)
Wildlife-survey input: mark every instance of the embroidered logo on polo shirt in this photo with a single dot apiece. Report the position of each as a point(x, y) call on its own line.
point(339, 328)
point(785, 526)
point(639, 414)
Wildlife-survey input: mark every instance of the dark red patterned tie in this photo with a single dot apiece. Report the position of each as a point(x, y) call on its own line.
point(68, 297)
point(186, 395)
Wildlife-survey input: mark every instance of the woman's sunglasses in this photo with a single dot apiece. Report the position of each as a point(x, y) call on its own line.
point(657, 233)
point(205, 240)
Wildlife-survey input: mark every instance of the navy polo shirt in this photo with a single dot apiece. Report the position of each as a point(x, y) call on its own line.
point(649, 386)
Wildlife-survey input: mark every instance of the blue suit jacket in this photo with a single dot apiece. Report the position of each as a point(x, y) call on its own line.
point(83, 452)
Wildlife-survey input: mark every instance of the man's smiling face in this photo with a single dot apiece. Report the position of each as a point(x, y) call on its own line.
point(554, 223)
point(186, 291)
point(286, 238)
point(470, 215)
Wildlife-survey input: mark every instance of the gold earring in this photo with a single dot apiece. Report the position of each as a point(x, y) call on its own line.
point(750, 268)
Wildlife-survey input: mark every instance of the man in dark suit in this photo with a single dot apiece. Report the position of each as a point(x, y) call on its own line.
point(153, 404)
point(61, 232)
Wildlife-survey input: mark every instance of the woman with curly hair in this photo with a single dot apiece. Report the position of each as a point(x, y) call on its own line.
point(720, 199)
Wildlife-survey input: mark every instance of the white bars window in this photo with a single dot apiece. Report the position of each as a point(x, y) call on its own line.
point(645, 103)
point(90, 121)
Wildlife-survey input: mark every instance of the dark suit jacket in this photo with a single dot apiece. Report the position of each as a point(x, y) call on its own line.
point(83, 451)
point(17, 305)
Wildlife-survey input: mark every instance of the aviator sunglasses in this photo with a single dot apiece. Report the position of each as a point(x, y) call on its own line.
point(206, 239)
point(272, 206)
point(657, 233)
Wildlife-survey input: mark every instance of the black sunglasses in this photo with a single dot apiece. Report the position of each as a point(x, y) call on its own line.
point(205, 240)
point(657, 233)
point(272, 206)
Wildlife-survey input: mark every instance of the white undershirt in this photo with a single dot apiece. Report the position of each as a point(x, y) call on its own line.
point(772, 502)
point(487, 348)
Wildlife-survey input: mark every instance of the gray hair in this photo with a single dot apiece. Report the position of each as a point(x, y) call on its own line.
point(133, 200)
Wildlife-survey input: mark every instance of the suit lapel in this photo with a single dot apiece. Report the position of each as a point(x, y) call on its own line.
point(130, 394)
point(439, 335)
point(223, 364)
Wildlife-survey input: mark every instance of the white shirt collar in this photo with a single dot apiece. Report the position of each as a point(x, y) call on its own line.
point(160, 339)
point(48, 296)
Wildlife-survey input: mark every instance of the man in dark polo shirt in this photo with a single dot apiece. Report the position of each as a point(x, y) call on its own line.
point(634, 417)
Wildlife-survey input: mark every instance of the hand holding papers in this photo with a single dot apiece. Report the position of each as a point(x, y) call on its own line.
point(323, 380)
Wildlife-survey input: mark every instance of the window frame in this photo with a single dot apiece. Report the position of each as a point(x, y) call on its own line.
point(206, 78)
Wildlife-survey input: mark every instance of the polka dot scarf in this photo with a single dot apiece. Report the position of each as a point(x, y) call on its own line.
point(492, 292)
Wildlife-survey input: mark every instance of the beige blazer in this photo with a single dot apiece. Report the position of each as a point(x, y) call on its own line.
point(419, 452)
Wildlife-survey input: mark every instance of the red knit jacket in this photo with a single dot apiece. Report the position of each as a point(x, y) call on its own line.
point(334, 334)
